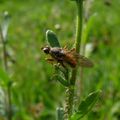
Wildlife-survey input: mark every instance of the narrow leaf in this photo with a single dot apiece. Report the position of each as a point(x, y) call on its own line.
point(5, 25)
point(87, 28)
point(61, 80)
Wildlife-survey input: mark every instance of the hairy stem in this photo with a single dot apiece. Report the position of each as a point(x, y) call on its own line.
point(69, 102)
point(70, 89)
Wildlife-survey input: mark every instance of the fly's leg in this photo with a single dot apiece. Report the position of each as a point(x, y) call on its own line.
point(72, 51)
point(62, 63)
point(59, 62)
point(50, 60)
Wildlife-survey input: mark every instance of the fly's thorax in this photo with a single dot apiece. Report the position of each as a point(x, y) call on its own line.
point(57, 52)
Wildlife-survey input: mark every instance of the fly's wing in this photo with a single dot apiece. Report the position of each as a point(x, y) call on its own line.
point(84, 61)
point(73, 59)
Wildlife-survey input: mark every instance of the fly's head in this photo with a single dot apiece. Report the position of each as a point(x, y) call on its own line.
point(46, 50)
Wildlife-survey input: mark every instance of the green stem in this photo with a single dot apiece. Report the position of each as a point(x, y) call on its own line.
point(70, 89)
point(4, 50)
point(78, 36)
point(79, 25)
point(9, 103)
point(9, 107)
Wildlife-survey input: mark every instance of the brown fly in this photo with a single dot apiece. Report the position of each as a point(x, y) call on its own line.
point(64, 56)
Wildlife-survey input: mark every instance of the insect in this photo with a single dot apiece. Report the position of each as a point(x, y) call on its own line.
point(66, 57)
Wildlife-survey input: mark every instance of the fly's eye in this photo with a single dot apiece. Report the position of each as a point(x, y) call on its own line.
point(46, 50)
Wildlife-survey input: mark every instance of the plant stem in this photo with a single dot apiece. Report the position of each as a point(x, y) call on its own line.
point(78, 36)
point(9, 107)
point(9, 103)
point(4, 50)
point(70, 89)
point(69, 102)
point(79, 25)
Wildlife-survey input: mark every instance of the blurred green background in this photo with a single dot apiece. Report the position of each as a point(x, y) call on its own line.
point(35, 95)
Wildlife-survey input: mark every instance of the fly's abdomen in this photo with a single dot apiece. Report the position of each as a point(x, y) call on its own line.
point(70, 61)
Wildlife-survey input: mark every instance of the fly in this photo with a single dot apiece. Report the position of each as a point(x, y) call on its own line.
point(64, 56)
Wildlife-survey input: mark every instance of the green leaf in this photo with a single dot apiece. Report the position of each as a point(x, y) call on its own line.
point(86, 105)
point(4, 79)
point(52, 39)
